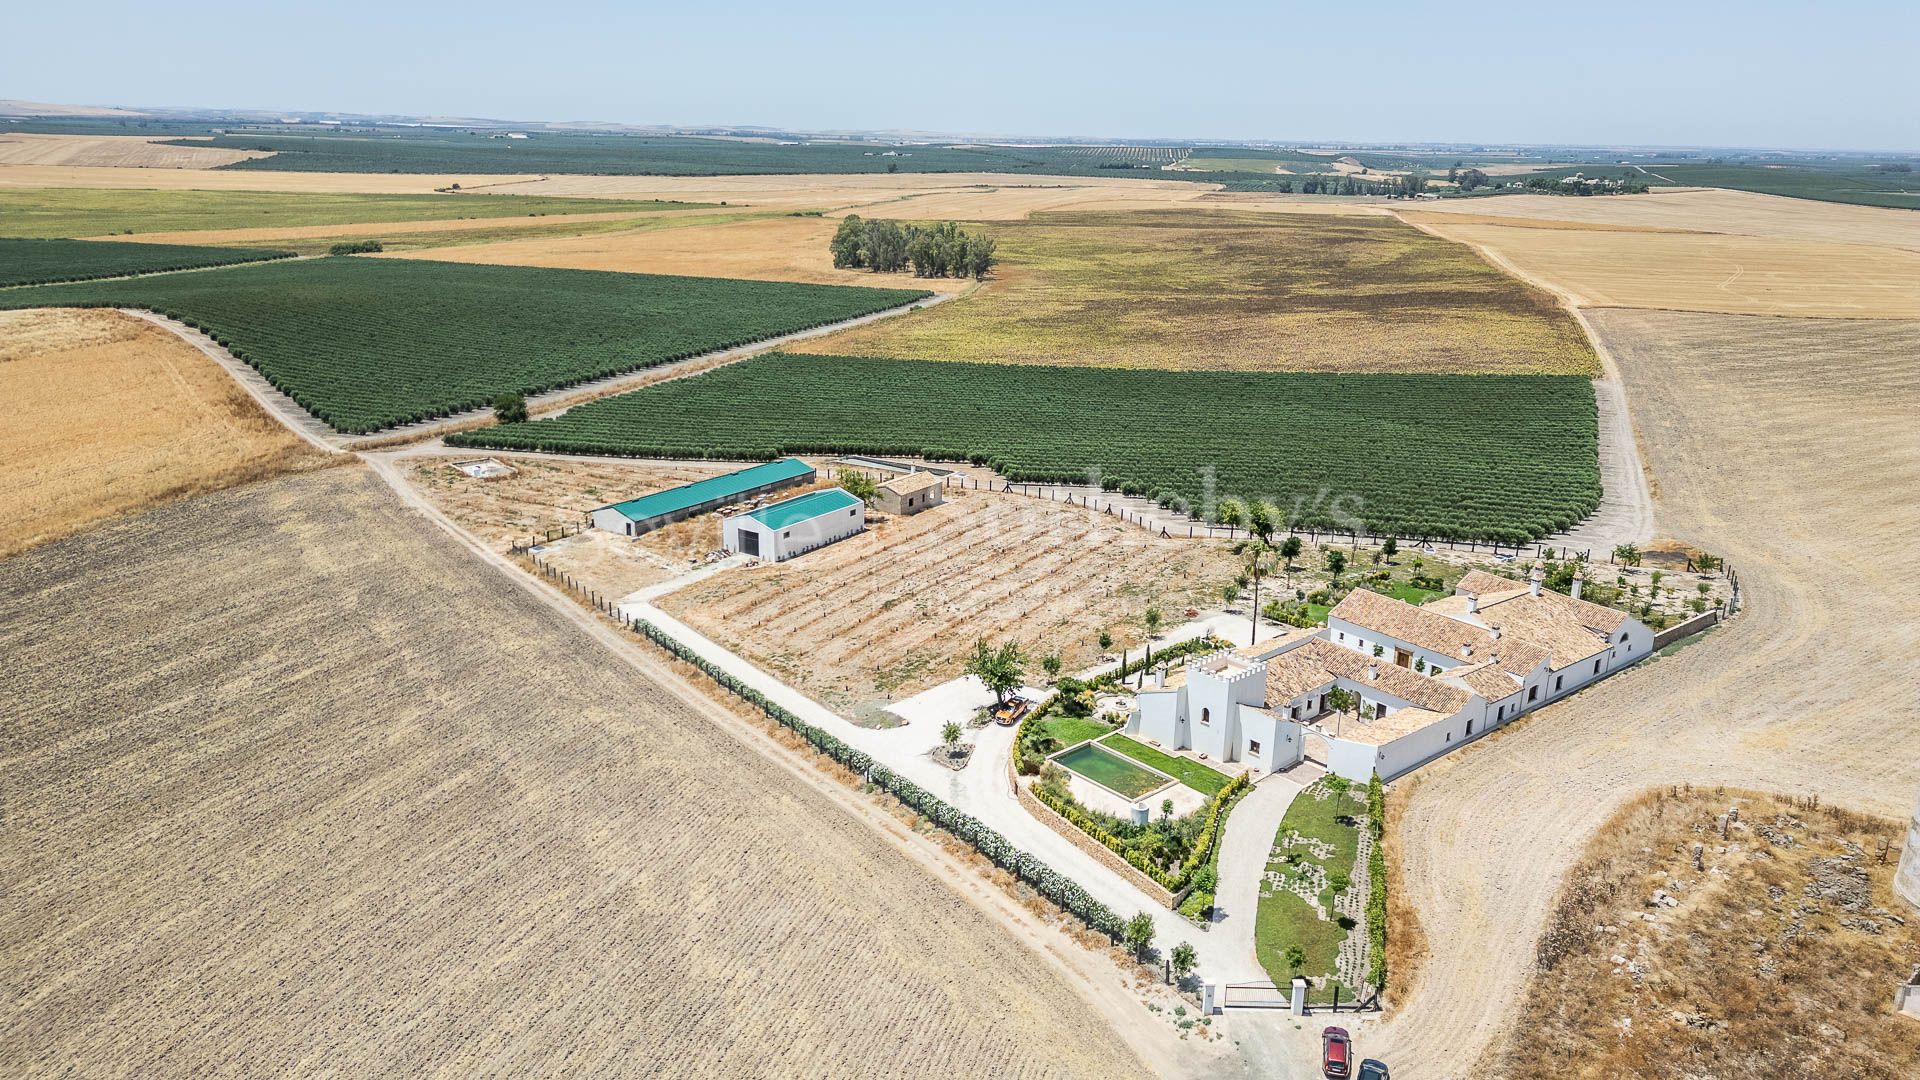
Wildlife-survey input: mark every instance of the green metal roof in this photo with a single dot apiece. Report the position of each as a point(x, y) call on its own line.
point(717, 489)
point(812, 504)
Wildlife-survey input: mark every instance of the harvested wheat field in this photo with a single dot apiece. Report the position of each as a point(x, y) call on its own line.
point(246, 180)
point(761, 249)
point(1785, 445)
point(280, 236)
point(1225, 290)
point(891, 611)
point(298, 784)
point(1738, 213)
point(114, 151)
point(1699, 271)
point(1774, 954)
point(106, 414)
point(988, 196)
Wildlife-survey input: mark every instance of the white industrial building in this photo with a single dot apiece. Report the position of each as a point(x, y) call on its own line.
point(1427, 678)
point(781, 530)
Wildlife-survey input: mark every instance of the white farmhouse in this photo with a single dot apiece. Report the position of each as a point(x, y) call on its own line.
point(780, 531)
point(1426, 678)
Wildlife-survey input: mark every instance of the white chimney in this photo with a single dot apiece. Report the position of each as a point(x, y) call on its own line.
point(1534, 579)
point(1373, 672)
point(1473, 603)
point(1160, 677)
point(1579, 579)
point(1494, 632)
point(1466, 649)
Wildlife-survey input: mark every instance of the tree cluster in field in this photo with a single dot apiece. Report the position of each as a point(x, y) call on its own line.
point(1596, 185)
point(943, 250)
point(1466, 179)
point(356, 247)
point(1399, 187)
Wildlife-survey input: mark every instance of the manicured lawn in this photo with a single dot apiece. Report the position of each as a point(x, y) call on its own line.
point(1073, 729)
point(1111, 771)
point(1284, 918)
point(1191, 773)
point(1400, 590)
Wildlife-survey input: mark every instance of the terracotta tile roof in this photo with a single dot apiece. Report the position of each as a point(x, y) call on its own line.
point(1571, 630)
point(1420, 626)
point(1320, 661)
point(911, 484)
point(1382, 731)
point(1490, 680)
point(1482, 582)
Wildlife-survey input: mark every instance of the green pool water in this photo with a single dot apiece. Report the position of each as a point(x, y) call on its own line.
point(1111, 771)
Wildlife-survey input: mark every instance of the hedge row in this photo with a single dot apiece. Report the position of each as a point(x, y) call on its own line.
point(1377, 885)
point(1173, 883)
point(1045, 880)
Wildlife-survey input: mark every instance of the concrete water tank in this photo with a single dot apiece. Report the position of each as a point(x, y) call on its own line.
point(1907, 881)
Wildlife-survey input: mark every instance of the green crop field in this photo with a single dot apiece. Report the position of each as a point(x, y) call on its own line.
point(111, 211)
point(1495, 457)
point(39, 262)
point(366, 344)
point(1856, 183)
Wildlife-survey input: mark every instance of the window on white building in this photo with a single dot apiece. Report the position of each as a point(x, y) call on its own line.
point(1253, 747)
point(1206, 716)
point(1558, 681)
point(1596, 667)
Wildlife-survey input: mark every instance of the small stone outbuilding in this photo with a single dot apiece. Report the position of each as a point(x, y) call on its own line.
point(909, 494)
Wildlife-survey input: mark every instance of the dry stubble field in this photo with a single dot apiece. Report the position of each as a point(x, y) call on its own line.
point(1786, 445)
point(892, 611)
point(1231, 290)
point(297, 784)
point(1776, 956)
point(106, 414)
point(113, 151)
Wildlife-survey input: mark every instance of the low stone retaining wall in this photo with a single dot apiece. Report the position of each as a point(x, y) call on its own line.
point(1088, 844)
point(1664, 638)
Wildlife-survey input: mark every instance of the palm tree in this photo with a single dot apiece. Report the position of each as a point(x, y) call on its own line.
point(1289, 551)
point(1258, 561)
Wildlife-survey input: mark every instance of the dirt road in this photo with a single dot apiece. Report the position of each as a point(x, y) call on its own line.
point(1788, 447)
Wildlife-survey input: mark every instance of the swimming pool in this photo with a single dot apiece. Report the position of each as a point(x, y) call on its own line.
point(1111, 771)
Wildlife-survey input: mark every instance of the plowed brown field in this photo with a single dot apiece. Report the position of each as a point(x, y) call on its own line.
point(295, 783)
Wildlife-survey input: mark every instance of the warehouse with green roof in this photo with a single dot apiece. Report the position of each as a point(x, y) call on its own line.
point(780, 531)
point(649, 512)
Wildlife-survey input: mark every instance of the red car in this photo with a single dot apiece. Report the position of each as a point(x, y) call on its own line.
point(1336, 1054)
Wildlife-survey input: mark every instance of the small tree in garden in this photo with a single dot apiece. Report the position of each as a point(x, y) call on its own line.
point(510, 409)
point(950, 734)
point(858, 484)
point(1261, 519)
point(1296, 958)
point(1342, 701)
point(1232, 513)
point(1336, 562)
point(1166, 809)
point(1052, 665)
point(1183, 960)
point(1153, 618)
point(1627, 555)
point(1106, 641)
point(1389, 548)
point(1139, 934)
point(999, 669)
point(1230, 592)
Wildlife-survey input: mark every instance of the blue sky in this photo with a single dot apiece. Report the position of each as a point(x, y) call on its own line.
point(1754, 74)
